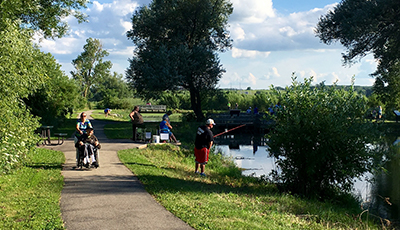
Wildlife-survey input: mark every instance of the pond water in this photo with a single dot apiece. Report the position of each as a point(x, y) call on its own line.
point(258, 163)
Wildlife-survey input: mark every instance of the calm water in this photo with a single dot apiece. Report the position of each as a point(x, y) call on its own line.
point(260, 163)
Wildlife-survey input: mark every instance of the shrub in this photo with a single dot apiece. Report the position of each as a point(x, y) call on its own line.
point(321, 140)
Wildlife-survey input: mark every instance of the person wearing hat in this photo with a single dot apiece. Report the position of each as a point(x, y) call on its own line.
point(204, 141)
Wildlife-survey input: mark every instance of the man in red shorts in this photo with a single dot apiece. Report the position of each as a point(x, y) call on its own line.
point(204, 141)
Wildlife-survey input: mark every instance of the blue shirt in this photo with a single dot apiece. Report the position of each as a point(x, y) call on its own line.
point(163, 126)
point(83, 126)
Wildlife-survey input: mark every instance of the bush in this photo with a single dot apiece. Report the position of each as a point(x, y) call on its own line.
point(321, 140)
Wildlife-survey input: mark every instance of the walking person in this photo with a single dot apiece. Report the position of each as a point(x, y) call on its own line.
point(137, 120)
point(203, 143)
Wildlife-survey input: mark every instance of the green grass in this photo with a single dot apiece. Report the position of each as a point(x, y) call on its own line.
point(29, 196)
point(123, 115)
point(227, 200)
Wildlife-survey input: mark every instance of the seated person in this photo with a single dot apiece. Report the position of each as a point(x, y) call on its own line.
point(165, 127)
point(87, 145)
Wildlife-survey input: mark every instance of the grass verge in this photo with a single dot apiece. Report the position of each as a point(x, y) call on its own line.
point(29, 196)
point(227, 200)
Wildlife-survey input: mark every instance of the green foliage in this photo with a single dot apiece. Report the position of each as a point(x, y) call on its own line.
point(321, 140)
point(56, 97)
point(176, 45)
point(43, 16)
point(387, 87)
point(89, 65)
point(110, 91)
point(21, 72)
point(365, 27)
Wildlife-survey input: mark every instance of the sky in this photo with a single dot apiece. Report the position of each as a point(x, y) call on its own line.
point(272, 39)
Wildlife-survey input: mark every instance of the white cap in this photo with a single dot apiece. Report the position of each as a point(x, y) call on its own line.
point(210, 122)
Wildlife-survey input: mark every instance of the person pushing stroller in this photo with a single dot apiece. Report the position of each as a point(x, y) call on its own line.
point(88, 144)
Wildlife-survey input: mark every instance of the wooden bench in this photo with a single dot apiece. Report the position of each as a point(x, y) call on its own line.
point(60, 135)
point(153, 108)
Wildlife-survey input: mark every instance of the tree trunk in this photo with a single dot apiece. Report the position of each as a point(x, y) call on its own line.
point(195, 100)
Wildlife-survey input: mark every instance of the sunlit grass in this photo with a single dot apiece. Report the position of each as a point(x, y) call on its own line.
point(227, 200)
point(29, 196)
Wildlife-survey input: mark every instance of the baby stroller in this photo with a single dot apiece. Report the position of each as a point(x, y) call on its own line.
point(88, 151)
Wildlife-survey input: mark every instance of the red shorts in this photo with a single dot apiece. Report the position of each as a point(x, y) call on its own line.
point(201, 155)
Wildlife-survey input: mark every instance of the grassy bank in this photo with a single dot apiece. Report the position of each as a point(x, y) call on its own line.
point(226, 200)
point(29, 197)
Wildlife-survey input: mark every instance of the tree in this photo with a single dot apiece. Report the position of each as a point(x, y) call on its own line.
point(21, 73)
point(364, 26)
point(43, 16)
point(89, 65)
point(176, 47)
point(111, 91)
point(57, 96)
point(321, 140)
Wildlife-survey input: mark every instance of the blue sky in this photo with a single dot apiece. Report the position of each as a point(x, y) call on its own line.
point(272, 39)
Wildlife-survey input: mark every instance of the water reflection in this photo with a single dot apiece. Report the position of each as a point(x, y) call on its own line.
point(253, 164)
point(257, 162)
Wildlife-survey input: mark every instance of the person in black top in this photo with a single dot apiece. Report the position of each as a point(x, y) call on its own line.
point(204, 141)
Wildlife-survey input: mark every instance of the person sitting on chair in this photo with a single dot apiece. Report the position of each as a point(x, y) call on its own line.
point(165, 127)
point(88, 144)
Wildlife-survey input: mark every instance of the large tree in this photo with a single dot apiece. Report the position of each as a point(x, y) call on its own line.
point(89, 65)
point(363, 27)
point(176, 47)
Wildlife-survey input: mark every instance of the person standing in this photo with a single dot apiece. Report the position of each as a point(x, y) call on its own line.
point(137, 120)
point(203, 143)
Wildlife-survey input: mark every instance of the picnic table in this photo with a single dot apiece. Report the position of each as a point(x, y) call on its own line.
point(45, 134)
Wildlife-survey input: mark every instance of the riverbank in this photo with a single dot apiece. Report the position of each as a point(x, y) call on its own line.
point(227, 200)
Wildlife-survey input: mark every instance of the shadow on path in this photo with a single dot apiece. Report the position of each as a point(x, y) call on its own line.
point(109, 197)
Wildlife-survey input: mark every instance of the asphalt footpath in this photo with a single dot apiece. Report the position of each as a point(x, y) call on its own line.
point(111, 196)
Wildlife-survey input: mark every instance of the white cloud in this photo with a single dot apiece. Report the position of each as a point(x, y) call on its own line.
point(277, 32)
point(252, 11)
point(239, 53)
point(107, 22)
point(252, 79)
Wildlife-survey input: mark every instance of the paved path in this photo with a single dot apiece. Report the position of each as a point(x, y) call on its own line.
point(109, 197)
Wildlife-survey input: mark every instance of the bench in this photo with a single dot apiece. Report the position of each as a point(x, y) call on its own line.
point(60, 135)
point(234, 112)
point(153, 108)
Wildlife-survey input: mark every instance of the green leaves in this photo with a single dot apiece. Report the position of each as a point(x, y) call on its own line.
point(89, 65)
point(321, 138)
point(45, 17)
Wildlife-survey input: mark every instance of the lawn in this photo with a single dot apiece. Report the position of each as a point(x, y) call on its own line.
point(29, 196)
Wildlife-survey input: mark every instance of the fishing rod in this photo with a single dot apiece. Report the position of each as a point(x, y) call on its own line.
point(229, 130)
